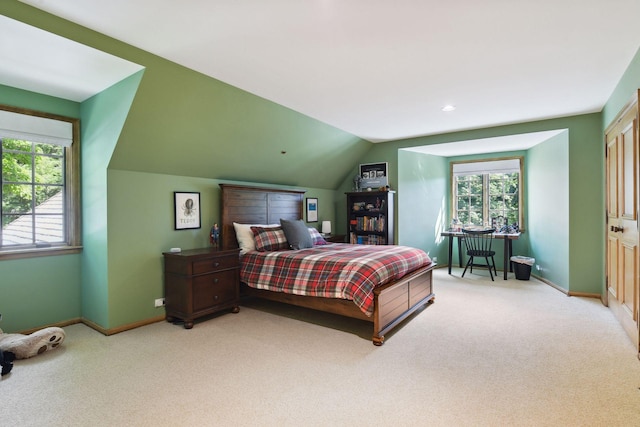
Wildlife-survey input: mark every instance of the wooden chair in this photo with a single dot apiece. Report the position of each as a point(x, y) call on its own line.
point(478, 244)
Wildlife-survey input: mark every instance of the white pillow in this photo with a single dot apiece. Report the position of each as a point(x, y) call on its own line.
point(244, 235)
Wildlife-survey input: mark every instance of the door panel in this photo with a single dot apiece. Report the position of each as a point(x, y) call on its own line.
point(612, 178)
point(628, 296)
point(628, 172)
point(612, 266)
point(622, 220)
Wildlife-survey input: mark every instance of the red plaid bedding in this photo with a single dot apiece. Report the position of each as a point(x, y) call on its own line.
point(332, 271)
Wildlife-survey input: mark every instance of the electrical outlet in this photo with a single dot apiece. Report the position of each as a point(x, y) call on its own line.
point(434, 259)
point(159, 302)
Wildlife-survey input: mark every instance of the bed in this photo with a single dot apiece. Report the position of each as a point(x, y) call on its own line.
point(392, 301)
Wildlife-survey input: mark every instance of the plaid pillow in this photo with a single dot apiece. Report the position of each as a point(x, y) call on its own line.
point(316, 237)
point(269, 239)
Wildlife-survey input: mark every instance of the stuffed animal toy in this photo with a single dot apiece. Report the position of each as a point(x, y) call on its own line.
point(25, 346)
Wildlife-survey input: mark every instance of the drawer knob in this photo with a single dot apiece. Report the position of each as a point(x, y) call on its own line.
point(215, 264)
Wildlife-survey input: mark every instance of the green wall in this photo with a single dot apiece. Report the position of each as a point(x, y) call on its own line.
point(183, 123)
point(547, 208)
point(425, 179)
point(175, 129)
point(423, 203)
point(140, 217)
point(583, 272)
point(39, 291)
point(45, 290)
point(102, 119)
point(171, 121)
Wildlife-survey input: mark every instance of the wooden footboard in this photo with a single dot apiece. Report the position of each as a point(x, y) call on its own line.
point(393, 302)
point(396, 301)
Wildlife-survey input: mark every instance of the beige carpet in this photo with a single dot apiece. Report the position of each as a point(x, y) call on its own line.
point(503, 353)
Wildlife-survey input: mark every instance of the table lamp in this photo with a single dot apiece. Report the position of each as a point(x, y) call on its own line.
point(326, 227)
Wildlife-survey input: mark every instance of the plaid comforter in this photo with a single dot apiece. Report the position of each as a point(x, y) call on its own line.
point(333, 271)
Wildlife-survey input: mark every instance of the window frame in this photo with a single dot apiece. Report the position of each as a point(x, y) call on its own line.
point(73, 224)
point(485, 204)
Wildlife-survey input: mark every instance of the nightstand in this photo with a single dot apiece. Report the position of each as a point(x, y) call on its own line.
point(199, 282)
point(335, 238)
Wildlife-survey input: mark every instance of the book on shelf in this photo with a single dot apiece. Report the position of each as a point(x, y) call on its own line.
point(369, 223)
point(367, 239)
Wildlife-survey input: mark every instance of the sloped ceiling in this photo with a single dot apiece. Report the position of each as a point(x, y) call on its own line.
point(181, 122)
point(42, 62)
point(383, 70)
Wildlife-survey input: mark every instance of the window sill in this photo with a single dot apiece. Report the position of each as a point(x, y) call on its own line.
point(39, 252)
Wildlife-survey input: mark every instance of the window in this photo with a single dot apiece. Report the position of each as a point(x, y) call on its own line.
point(40, 183)
point(487, 193)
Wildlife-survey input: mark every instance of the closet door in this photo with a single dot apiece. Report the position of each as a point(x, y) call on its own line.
point(622, 219)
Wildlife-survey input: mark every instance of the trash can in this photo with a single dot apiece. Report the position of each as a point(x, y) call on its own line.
point(522, 266)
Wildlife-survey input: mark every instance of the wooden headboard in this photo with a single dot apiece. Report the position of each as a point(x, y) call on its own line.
point(255, 205)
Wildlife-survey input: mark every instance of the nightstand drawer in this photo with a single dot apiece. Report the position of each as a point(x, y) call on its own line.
point(215, 264)
point(198, 282)
point(214, 289)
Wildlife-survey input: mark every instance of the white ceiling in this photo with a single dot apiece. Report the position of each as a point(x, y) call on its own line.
point(42, 62)
point(497, 144)
point(383, 70)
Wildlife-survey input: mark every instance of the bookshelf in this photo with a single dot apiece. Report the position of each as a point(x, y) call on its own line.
point(370, 217)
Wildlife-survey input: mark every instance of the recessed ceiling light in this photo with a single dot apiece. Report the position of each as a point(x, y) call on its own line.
point(447, 108)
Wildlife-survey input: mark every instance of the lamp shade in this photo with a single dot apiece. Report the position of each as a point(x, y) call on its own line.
point(326, 227)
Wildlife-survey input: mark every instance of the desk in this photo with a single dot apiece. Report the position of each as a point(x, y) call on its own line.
point(508, 239)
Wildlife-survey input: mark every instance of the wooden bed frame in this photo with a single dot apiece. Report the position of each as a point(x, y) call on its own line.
point(393, 302)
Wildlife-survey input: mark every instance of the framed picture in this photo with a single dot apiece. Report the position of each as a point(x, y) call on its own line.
point(374, 175)
point(312, 209)
point(187, 210)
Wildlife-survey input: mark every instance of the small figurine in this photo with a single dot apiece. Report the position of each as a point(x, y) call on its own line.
point(214, 235)
point(356, 182)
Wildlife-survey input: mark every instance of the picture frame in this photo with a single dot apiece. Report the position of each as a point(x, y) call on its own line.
point(312, 209)
point(374, 175)
point(186, 207)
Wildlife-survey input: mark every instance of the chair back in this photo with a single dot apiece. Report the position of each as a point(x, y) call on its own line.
point(479, 242)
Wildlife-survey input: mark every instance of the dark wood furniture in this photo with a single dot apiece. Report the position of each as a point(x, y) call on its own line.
point(199, 282)
point(393, 302)
point(335, 238)
point(255, 205)
point(508, 247)
point(370, 217)
point(479, 245)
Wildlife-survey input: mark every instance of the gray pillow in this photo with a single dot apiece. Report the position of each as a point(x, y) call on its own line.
point(297, 233)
